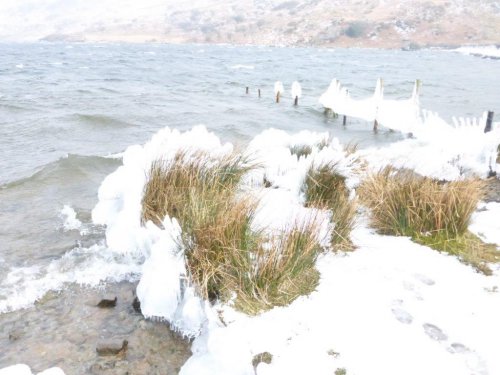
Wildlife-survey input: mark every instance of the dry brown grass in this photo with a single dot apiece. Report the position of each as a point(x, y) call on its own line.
point(433, 213)
point(281, 270)
point(403, 202)
point(326, 188)
point(224, 256)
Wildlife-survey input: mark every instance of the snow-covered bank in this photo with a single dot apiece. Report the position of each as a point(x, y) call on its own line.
point(380, 309)
point(25, 370)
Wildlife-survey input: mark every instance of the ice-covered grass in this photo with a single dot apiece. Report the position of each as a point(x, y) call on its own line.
point(277, 273)
point(224, 256)
point(434, 213)
point(326, 188)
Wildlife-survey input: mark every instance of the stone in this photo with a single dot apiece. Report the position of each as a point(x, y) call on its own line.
point(137, 305)
point(265, 357)
point(111, 347)
point(107, 303)
point(14, 335)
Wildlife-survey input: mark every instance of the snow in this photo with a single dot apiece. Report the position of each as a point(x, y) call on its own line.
point(485, 222)
point(383, 308)
point(21, 369)
point(391, 306)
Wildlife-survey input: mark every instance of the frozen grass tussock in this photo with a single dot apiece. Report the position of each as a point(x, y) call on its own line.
point(432, 212)
point(223, 254)
point(326, 188)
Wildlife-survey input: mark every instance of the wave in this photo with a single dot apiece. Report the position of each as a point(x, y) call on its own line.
point(101, 120)
point(90, 266)
point(68, 167)
point(242, 66)
point(491, 52)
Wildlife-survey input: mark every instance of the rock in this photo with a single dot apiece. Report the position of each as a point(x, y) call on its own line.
point(14, 335)
point(265, 357)
point(112, 347)
point(137, 305)
point(107, 303)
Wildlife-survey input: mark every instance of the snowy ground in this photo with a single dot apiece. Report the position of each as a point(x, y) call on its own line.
point(390, 307)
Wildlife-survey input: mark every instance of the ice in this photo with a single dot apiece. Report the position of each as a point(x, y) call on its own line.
point(278, 88)
point(296, 90)
point(70, 220)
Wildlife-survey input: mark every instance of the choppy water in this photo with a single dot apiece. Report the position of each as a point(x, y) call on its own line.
point(65, 108)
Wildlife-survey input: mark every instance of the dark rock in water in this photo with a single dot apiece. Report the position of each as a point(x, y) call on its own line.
point(137, 305)
point(107, 303)
point(112, 347)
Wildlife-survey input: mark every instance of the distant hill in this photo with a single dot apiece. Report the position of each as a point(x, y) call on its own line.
point(361, 23)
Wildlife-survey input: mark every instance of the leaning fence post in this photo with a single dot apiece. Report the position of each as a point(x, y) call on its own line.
point(489, 122)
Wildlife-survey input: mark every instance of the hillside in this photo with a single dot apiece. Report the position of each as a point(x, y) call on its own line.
point(367, 23)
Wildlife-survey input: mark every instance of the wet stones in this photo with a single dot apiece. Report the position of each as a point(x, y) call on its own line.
point(106, 303)
point(112, 347)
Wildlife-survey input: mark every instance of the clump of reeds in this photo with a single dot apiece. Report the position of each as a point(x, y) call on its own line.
point(224, 256)
point(279, 271)
point(433, 213)
point(326, 188)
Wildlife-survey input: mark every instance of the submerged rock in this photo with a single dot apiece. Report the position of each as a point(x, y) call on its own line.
point(107, 303)
point(112, 347)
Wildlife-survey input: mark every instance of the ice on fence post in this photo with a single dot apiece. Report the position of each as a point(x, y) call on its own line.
point(296, 92)
point(378, 95)
point(278, 90)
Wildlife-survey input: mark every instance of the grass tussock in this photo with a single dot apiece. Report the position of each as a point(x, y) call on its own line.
point(433, 213)
point(325, 187)
point(281, 270)
point(224, 256)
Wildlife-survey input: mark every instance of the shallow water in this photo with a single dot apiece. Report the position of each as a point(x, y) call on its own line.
point(65, 108)
point(64, 328)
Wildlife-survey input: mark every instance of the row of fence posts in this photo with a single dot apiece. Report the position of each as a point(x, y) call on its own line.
point(487, 128)
point(277, 97)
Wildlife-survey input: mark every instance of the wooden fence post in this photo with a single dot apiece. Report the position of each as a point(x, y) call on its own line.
point(489, 122)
